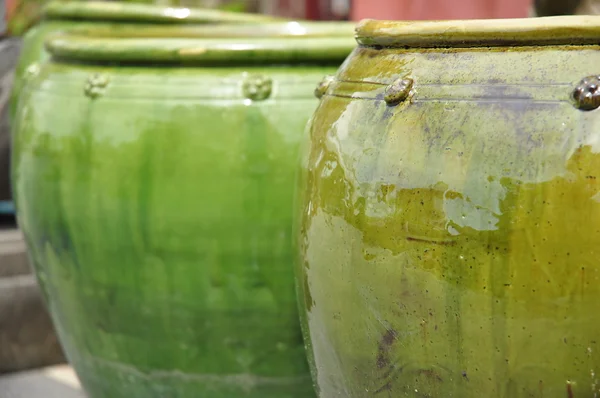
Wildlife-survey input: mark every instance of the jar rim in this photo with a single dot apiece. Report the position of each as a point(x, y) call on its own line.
point(561, 30)
point(201, 51)
point(286, 29)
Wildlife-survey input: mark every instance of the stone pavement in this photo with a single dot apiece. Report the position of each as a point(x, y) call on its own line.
point(27, 337)
point(52, 382)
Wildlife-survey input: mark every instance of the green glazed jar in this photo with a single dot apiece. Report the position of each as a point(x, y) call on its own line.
point(153, 180)
point(449, 213)
point(60, 16)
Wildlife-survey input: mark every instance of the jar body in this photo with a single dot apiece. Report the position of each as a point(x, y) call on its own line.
point(448, 244)
point(156, 204)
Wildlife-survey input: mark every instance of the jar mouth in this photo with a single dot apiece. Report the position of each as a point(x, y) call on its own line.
point(286, 29)
point(200, 51)
point(148, 13)
point(562, 30)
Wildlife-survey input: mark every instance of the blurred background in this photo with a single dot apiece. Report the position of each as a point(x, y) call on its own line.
point(20, 14)
point(27, 339)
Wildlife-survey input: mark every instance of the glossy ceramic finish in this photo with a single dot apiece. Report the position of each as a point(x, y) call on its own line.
point(449, 217)
point(157, 203)
point(116, 17)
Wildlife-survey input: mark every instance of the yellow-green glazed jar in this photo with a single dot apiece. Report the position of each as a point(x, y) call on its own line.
point(449, 213)
point(153, 180)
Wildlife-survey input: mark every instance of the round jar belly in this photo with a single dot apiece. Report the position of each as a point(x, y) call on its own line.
point(449, 213)
point(156, 201)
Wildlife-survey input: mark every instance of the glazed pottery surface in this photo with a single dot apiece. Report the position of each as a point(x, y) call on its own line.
point(61, 16)
point(156, 200)
point(449, 213)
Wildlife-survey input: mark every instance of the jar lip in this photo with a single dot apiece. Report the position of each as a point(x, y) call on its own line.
point(136, 12)
point(200, 51)
point(287, 29)
point(562, 30)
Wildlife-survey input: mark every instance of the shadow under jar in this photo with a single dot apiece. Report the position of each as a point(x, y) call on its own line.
point(448, 217)
point(154, 182)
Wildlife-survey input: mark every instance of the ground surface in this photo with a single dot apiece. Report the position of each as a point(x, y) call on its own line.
point(53, 382)
point(27, 337)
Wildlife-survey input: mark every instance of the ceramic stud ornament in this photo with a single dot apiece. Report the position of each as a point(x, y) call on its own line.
point(448, 213)
point(156, 198)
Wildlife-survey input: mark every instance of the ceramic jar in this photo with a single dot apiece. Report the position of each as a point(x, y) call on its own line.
point(449, 213)
point(154, 184)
